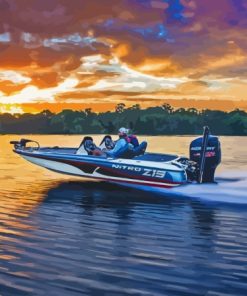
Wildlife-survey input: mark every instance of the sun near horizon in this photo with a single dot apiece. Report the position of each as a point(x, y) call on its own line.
point(84, 54)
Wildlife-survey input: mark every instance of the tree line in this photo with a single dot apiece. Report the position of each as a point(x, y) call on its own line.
point(160, 120)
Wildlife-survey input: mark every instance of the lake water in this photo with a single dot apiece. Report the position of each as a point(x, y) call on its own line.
point(61, 235)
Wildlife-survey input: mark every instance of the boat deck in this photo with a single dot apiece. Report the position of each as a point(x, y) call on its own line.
point(156, 157)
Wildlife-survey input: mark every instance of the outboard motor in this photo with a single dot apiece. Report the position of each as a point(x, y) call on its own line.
point(206, 153)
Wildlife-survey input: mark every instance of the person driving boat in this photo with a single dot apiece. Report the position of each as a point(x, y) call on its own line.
point(126, 146)
point(121, 143)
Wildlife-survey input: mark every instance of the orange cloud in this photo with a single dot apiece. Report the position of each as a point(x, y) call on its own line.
point(10, 88)
point(122, 50)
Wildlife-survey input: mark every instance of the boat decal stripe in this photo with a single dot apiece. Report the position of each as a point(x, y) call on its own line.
point(95, 174)
point(83, 158)
point(160, 185)
point(89, 168)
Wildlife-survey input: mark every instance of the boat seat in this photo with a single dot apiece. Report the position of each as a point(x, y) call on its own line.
point(86, 147)
point(140, 150)
point(107, 143)
point(129, 152)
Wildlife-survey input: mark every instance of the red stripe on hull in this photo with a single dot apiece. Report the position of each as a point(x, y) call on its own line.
point(80, 164)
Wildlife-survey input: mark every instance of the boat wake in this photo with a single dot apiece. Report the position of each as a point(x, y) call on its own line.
point(230, 187)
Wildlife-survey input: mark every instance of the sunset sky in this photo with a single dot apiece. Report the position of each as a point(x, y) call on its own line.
point(61, 54)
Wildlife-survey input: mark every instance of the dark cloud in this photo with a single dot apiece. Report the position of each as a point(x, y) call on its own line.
point(13, 57)
point(180, 29)
point(171, 38)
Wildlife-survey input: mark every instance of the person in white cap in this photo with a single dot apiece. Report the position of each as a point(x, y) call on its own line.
point(121, 142)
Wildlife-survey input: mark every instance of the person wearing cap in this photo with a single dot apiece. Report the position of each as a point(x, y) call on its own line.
point(121, 143)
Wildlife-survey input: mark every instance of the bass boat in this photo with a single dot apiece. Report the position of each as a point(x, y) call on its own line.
point(131, 167)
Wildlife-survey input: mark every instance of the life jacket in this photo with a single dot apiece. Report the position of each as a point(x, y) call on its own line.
point(132, 139)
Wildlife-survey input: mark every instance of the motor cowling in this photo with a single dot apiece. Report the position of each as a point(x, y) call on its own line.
point(207, 151)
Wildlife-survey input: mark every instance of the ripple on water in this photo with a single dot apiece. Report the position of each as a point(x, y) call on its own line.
point(65, 237)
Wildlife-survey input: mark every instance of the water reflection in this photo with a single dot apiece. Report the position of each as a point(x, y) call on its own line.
point(60, 236)
point(91, 196)
point(205, 217)
point(126, 234)
point(97, 239)
point(15, 225)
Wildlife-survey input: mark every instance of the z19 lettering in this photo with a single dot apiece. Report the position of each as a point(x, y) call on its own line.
point(154, 173)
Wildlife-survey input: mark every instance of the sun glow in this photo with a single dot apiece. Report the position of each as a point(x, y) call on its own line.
point(12, 109)
point(32, 94)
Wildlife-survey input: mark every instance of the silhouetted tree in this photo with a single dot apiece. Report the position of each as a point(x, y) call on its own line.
point(153, 120)
point(168, 108)
point(109, 127)
point(135, 107)
point(120, 108)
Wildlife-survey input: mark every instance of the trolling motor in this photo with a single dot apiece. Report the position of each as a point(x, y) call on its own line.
point(22, 144)
point(205, 153)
